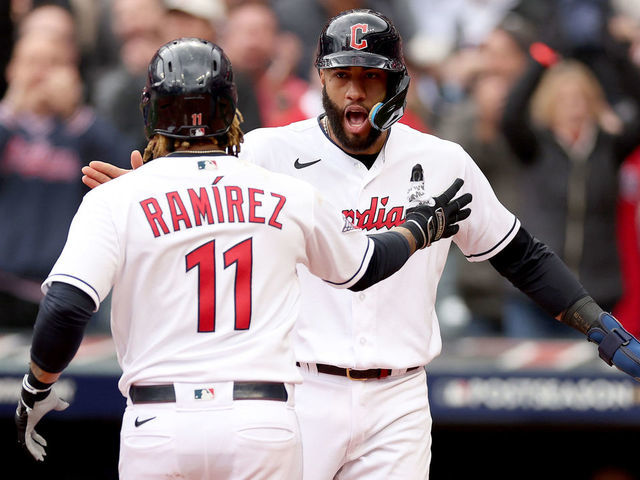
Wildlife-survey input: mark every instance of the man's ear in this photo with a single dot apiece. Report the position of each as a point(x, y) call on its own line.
point(321, 75)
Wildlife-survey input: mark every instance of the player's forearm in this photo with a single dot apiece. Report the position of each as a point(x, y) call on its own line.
point(582, 315)
point(59, 328)
point(391, 251)
point(537, 271)
point(406, 233)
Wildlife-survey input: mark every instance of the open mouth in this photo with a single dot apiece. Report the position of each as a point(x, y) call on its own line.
point(356, 119)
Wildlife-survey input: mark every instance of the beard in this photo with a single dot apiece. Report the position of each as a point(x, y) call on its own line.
point(335, 116)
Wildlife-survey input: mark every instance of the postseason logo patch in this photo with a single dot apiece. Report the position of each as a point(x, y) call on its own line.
point(203, 394)
point(416, 193)
point(348, 225)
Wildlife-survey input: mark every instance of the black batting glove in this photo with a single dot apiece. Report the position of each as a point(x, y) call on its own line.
point(437, 218)
point(36, 400)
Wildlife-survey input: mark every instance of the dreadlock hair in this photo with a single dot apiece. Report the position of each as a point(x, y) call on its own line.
point(160, 145)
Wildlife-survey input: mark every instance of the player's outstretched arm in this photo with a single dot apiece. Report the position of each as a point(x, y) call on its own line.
point(535, 269)
point(97, 173)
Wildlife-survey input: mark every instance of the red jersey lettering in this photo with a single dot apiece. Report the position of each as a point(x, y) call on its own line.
point(273, 221)
point(253, 204)
point(201, 206)
point(178, 211)
point(234, 203)
point(154, 217)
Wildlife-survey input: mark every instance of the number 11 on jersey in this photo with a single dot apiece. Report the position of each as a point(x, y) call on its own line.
point(203, 257)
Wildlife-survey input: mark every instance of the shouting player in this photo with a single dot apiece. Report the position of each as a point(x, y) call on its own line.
point(201, 249)
point(371, 167)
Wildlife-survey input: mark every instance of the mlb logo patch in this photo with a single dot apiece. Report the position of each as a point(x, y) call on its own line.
point(207, 165)
point(203, 394)
point(196, 132)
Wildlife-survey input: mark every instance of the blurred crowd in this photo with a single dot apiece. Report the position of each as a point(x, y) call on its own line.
point(543, 94)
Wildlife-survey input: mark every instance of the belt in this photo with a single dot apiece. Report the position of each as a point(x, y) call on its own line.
point(241, 391)
point(373, 373)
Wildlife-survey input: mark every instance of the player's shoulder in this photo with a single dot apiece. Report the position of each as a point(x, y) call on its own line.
point(272, 178)
point(286, 132)
point(404, 137)
point(406, 144)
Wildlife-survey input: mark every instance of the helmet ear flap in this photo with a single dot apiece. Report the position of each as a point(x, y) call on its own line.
point(383, 115)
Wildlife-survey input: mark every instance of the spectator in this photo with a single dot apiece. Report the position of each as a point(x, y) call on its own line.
point(197, 18)
point(628, 233)
point(570, 148)
point(116, 92)
point(205, 19)
point(625, 27)
point(53, 19)
point(45, 135)
point(259, 50)
point(426, 57)
point(475, 124)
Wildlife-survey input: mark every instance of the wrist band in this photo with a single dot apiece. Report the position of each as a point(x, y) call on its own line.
point(412, 225)
point(33, 385)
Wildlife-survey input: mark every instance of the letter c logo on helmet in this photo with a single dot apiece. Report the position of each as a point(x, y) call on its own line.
point(355, 30)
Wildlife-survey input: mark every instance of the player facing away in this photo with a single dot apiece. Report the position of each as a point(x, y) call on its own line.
point(200, 248)
point(372, 168)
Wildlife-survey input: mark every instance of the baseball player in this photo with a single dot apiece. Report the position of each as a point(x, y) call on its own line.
point(363, 405)
point(201, 249)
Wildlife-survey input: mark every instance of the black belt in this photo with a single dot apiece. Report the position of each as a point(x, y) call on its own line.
point(373, 373)
point(241, 391)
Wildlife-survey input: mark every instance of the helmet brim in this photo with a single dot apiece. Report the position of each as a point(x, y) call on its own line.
point(359, 59)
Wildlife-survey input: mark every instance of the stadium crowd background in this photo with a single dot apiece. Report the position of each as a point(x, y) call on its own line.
point(74, 70)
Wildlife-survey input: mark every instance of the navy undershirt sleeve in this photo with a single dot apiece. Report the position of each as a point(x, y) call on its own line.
point(535, 269)
point(59, 328)
point(390, 253)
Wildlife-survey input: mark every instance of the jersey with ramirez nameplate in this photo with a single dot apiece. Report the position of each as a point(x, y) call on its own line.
point(392, 324)
point(201, 253)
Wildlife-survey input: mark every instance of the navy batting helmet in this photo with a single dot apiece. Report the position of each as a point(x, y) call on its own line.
point(190, 91)
point(365, 38)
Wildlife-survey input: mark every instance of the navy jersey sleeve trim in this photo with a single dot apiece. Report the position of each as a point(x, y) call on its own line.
point(364, 257)
point(513, 226)
point(81, 281)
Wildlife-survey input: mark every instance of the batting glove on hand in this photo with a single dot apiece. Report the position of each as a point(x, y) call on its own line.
point(35, 403)
point(437, 217)
point(616, 346)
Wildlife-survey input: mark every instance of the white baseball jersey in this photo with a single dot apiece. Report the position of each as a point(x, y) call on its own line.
point(201, 252)
point(392, 324)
